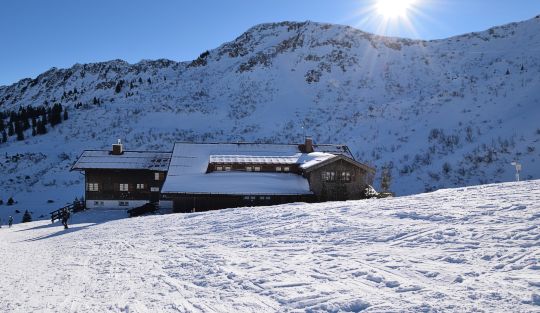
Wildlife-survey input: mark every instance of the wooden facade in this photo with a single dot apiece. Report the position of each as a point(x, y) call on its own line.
point(185, 203)
point(339, 180)
point(251, 167)
point(123, 185)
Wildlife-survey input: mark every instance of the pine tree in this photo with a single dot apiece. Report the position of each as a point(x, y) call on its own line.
point(27, 217)
point(20, 134)
point(19, 131)
point(10, 200)
point(26, 124)
point(41, 129)
point(119, 86)
point(11, 130)
point(386, 179)
point(65, 114)
point(4, 136)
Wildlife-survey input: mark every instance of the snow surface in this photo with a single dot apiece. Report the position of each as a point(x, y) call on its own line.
point(455, 250)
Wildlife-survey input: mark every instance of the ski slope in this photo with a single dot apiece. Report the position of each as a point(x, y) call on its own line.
point(453, 250)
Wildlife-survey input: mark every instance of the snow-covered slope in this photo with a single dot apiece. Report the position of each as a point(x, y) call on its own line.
point(472, 249)
point(441, 113)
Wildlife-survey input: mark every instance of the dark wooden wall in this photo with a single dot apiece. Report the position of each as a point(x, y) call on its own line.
point(293, 168)
point(190, 203)
point(339, 190)
point(109, 184)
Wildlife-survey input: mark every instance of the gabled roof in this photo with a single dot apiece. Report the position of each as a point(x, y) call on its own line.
point(313, 166)
point(129, 160)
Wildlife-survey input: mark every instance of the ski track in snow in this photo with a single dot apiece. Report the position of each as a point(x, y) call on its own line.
point(456, 250)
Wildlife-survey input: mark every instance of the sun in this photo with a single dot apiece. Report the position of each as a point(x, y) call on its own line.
point(394, 8)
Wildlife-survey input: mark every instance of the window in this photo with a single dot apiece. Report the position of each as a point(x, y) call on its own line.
point(267, 197)
point(257, 168)
point(249, 168)
point(246, 197)
point(124, 187)
point(140, 186)
point(157, 176)
point(328, 176)
point(154, 189)
point(253, 197)
point(227, 168)
point(219, 168)
point(286, 169)
point(99, 203)
point(278, 168)
point(123, 203)
point(346, 176)
point(92, 187)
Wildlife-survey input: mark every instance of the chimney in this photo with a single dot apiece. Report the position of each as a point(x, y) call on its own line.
point(308, 145)
point(117, 149)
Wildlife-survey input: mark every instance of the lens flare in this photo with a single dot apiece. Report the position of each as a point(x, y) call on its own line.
point(394, 8)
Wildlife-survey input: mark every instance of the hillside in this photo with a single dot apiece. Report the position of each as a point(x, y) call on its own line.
point(455, 250)
point(441, 113)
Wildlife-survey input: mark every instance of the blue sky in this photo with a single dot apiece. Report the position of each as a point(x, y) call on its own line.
point(37, 34)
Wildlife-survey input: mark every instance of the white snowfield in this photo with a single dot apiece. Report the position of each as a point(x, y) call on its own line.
point(455, 250)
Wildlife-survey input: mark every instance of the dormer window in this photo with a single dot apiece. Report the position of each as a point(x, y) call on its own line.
point(257, 168)
point(286, 169)
point(227, 168)
point(249, 168)
point(219, 168)
point(278, 168)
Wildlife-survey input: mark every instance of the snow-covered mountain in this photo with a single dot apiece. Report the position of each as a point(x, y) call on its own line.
point(472, 249)
point(440, 113)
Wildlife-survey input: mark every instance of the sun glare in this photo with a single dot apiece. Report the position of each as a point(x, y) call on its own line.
point(394, 8)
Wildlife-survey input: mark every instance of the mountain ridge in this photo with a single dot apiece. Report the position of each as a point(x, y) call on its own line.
point(255, 27)
point(440, 113)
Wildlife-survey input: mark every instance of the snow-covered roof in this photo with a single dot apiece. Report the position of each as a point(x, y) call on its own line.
point(238, 183)
point(253, 159)
point(314, 158)
point(189, 163)
point(136, 160)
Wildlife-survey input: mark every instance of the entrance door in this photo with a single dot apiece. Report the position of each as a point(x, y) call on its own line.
point(154, 196)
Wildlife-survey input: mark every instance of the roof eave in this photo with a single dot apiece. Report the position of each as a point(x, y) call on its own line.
point(343, 157)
